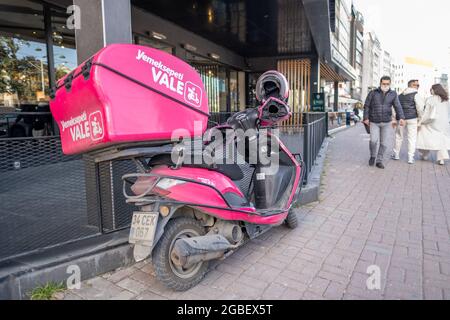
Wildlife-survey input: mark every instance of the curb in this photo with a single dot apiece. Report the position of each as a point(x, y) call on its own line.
point(310, 192)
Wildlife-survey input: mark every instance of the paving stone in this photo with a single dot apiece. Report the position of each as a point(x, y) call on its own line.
point(318, 286)
point(124, 295)
point(121, 274)
point(102, 292)
point(335, 291)
point(71, 296)
point(148, 295)
point(274, 291)
point(132, 285)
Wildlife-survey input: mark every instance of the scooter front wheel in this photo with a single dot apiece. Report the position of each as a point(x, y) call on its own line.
point(172, 275)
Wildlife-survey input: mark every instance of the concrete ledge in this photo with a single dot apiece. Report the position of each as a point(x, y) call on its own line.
point(93, 256)
point(310, 192)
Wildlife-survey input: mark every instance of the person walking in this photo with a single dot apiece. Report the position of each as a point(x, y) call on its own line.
point(356, 117)
point(332, 118)
point(378, 114)
point(434, 127)
point(412, 104)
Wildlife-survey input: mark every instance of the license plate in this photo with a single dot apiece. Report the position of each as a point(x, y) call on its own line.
point(143, 227)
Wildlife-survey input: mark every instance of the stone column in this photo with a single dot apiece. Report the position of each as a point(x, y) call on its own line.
point(103, 22)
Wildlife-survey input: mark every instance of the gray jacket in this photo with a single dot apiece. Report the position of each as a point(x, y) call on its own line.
point(378, 106)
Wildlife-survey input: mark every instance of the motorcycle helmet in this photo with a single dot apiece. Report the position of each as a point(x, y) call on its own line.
point(272, 84)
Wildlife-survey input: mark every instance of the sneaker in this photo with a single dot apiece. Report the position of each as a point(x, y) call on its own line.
point(372, 162)
point(411, 160)
point(441, 162)
point(380, 165)
point(395, 156)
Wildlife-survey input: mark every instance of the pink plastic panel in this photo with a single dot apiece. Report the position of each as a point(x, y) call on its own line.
point(194, 193)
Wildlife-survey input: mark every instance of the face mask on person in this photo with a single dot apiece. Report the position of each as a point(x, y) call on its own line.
point(385, 88)
point(432, 92)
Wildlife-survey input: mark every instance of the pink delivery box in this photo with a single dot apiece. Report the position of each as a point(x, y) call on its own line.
point(128, 93)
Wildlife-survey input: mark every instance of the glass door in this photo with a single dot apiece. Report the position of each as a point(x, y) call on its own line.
point(224, 85)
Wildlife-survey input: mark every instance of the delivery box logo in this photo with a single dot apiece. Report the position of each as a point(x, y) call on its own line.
point(193, 94)
point(96, 126)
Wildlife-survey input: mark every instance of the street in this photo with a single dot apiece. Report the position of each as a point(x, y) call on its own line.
point(396, 220)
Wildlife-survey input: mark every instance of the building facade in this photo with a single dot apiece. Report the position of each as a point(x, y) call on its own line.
point(340, 88)
point(357, 51)
point(372, 71)
point(399, 82)
point(386, 64)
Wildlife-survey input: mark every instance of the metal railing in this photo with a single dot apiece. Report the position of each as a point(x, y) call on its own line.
point(314, 133)
point(26, 124)
point(42, 196)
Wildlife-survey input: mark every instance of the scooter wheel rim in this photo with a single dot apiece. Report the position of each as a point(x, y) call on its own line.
point(180, 271)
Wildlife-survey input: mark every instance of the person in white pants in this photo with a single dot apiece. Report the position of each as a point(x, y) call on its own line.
point(413, 106)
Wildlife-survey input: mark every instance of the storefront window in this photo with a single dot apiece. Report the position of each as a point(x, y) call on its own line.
point(64, 52)
point(153, 43)
point(251, 89)
point(224, 85)
point(23, 60)
point(24, 71)
point(234, 91)
point(24, 65)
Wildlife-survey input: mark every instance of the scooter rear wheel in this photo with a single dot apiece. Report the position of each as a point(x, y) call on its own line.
point(175, 277)
point(292, 220)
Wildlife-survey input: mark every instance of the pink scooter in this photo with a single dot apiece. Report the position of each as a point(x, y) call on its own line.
point(126, 102)
point(190, 214)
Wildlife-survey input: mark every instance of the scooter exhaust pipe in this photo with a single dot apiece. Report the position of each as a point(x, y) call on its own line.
point(190, 251)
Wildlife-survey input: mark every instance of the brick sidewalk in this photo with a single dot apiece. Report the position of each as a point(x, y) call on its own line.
point(397, 219)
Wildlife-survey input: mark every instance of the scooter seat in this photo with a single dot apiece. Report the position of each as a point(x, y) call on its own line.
point(232, 171)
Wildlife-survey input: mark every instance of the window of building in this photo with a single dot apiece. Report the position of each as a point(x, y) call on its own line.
point(222, 83)
point(153, 43)
point(64, 51)
point(23, 55)
point(32, 58)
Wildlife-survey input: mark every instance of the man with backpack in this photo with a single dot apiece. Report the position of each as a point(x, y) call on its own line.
point(412, 104)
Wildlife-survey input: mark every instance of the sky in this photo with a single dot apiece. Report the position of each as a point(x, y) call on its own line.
point(417, 28)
